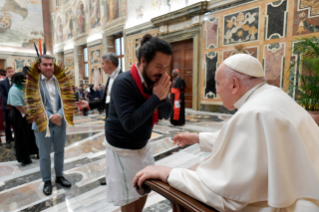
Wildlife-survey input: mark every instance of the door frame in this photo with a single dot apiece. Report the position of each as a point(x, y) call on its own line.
point(194, 33)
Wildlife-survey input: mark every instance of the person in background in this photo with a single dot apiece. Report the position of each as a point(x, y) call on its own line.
point(2, 77)
point(94, 93)
point(5, 86)
point(25, 144)
point(178, 99)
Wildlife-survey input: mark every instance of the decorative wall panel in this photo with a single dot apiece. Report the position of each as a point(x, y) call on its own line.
point(276, 19)
point(241, 27)
point(211, 63)
point(212, 33)
point(274, 63)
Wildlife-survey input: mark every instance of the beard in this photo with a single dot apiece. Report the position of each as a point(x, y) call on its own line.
point(147, 79)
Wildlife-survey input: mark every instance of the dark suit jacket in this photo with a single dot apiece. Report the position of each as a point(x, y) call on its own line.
point(4, 90)
point(101, 102)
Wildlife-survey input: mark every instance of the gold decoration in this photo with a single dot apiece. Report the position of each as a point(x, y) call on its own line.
point(33, 100)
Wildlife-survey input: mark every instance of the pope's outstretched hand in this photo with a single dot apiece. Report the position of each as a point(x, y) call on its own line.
point(183, 139)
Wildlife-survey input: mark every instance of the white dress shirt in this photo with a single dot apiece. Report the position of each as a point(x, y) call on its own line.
point(109, 88)
point(50, 85)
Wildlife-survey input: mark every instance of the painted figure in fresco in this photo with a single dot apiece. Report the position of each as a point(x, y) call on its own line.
point(69, 27)
point(95, 13)
point(14, 6)
point(123, 8)
point(81, 18)
point(96, 76)
point(139, 12)
point(112, 9)
point(156, 4)
point(59, 30)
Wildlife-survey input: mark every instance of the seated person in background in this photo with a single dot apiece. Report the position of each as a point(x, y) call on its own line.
point(265, 158)
point(24, 136)
point(94, 93)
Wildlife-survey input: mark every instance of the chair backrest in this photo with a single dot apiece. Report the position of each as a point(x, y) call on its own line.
point(180, 201)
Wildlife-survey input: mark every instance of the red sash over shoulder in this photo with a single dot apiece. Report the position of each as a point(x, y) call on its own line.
point(138, 81)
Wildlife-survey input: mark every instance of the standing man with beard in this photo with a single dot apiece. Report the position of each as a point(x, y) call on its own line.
point(136, 99)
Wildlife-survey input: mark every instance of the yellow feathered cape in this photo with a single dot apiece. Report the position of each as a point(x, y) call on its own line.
point(33, 101)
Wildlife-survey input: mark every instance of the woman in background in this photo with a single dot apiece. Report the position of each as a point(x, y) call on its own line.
point(24, 136)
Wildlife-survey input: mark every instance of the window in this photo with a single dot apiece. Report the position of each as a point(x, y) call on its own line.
point(119, 51)
point(57, 3)
point(86, 65)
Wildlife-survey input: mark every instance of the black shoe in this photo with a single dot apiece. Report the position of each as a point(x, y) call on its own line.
point(64, 182)
point(26, 162)
point(47, 188)
point(103, 182)
point(8, 145)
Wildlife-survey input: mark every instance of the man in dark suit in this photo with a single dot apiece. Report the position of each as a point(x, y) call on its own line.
point(110, 65)
point(4, 90)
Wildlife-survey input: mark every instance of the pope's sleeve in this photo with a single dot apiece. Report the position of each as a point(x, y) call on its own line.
point(188, 182)
point(207, 141)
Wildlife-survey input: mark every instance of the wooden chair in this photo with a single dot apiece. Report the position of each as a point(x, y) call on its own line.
point(180, 202)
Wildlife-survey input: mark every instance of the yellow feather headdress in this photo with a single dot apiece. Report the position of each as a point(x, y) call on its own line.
point(33, 101)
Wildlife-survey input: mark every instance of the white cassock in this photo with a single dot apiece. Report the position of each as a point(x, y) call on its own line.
point(265, 158)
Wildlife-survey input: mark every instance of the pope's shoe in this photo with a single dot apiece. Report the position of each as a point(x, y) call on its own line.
point(64, 182)
point(47, 188)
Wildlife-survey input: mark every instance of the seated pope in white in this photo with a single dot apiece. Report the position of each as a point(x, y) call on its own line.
point(265, 158)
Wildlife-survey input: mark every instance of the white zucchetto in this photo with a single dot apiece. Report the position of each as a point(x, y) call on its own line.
point(245, 64)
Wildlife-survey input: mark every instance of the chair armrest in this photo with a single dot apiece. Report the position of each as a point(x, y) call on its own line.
point(176, 197)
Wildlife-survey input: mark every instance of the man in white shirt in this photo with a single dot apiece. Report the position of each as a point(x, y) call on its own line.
point(5, 86)
point(49, 90)
point(110, 67)
point(264, 159)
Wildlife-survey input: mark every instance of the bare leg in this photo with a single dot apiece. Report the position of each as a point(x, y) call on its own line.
point(136, 206)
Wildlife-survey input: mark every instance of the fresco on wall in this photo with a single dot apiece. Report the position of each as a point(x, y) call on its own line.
point(123, 8)
point(96, 75)
point(95, 14)
point(69, 28)
point(95, 57)
point(80, 14)
point(141, 11)
point(276, 19)
point(211, 63)
point(211, 33)
point(306, 17)
point(241, 27)
point(274, 63)
point(59, 30)
point(112, 10)
point(239, 49)
point(21, 23)
point(69, 62)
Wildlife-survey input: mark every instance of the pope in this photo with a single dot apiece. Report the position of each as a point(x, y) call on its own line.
point(265, 158)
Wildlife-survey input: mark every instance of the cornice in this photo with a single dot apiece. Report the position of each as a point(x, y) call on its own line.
point(181, 15)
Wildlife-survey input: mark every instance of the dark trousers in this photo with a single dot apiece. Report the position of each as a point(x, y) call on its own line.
point(7, 127)
point(106, 110)
point(85, 111)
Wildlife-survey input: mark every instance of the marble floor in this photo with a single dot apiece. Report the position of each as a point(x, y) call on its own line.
point(84, 165)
